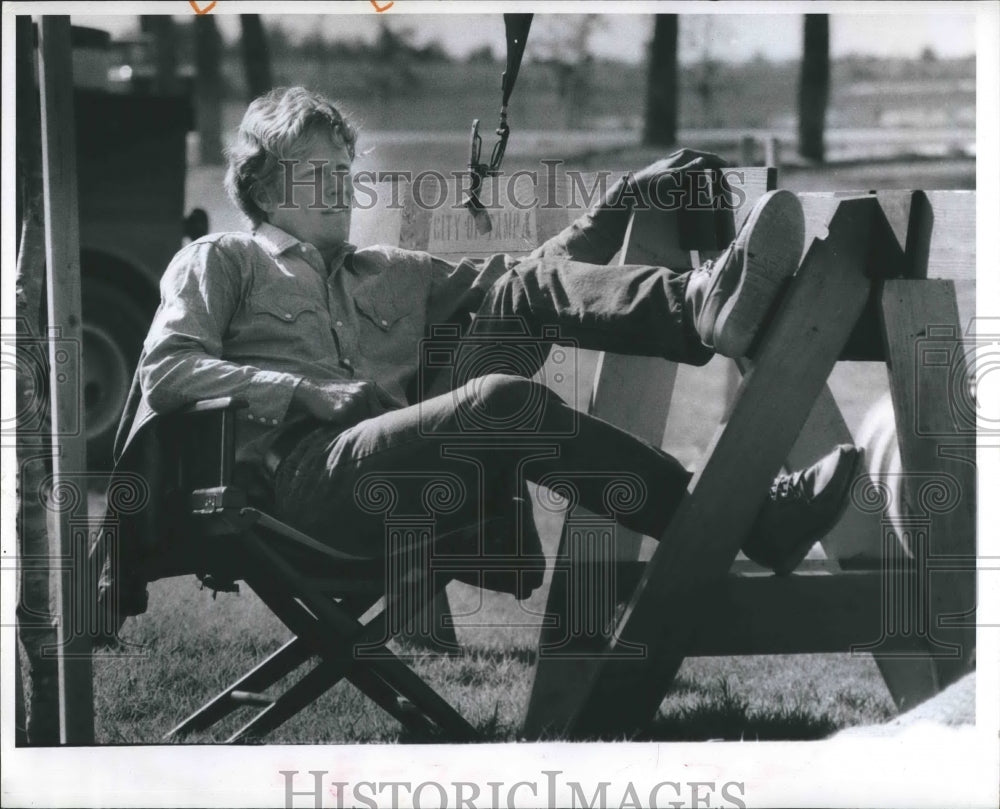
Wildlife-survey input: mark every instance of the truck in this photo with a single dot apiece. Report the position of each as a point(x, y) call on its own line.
point(131, 167)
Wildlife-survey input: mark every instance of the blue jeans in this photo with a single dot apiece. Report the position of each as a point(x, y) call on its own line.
point(453, 466)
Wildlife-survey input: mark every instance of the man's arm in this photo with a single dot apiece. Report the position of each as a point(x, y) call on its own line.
point(200, 292)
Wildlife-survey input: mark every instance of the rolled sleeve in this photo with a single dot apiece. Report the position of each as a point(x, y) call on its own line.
point(269, 394)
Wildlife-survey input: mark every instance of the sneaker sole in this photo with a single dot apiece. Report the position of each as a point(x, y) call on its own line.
point(794, 559)
point(770, 256)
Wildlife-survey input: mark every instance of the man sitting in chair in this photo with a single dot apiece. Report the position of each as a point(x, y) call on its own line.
point(323, 341)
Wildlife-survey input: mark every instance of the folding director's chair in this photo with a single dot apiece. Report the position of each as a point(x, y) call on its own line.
point(322, 595)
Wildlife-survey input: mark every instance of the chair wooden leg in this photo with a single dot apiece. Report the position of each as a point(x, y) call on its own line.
point(316, 683)
point(303, 693)
point(334, 635)
point(285, 660)
point(431, 704)
point(388, 698)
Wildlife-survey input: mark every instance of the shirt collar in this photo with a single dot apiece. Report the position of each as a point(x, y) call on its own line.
point(277, 241)
point(273, 239)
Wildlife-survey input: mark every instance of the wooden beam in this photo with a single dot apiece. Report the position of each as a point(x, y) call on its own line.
point(633, 393)
point(652, 238)
point(808, 612)
point(62, 254)
point(941, 240)
point(936, 228)
point(822, 305)
point(935, 422)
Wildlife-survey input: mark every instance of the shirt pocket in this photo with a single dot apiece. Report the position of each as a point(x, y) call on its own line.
point(385, 313)
point(284, 326)
point(290, 309)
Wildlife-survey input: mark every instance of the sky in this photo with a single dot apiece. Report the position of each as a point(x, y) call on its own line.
point(727, 37)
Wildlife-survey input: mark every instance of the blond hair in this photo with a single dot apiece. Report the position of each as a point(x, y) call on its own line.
point(273, 127)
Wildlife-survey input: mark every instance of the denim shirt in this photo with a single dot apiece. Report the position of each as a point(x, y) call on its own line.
point(252, 315)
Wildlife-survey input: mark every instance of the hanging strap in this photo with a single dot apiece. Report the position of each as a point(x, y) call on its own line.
point(517, 26)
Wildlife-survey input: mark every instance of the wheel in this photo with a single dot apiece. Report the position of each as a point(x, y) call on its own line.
point(114, 326)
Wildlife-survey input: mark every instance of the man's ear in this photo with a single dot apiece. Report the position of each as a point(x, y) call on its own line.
point(263, 198)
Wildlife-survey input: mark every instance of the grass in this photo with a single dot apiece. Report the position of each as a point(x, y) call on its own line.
point(189, 646)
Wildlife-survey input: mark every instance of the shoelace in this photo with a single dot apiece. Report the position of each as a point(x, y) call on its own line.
point(710, 264)
point(789, 487)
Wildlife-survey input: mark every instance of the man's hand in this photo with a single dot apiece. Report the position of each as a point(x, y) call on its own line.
point(347, 402)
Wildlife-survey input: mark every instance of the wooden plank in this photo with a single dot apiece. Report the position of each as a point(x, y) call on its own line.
point(809, 612)
point(69, 462)
point(941, 240)
point(937, 228)
point(935, 424)
point(823, 301)
point(658, 238)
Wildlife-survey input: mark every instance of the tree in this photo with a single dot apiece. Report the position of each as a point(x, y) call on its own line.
point(814, 86)
point(701, 34)
point(390, 72)
point(562, 41)
point(164, 36)
point(208, 93)
point(256, 57)
point(661, 85)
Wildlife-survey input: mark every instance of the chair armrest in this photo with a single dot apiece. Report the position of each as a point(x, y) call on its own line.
point(205, 441)
point(212, 405)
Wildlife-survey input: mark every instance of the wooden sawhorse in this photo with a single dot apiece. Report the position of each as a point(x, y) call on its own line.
point(858, 294)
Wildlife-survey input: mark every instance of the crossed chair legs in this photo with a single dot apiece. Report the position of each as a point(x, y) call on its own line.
point(332, 632)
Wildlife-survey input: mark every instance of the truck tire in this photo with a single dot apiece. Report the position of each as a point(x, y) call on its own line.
point(114, 326)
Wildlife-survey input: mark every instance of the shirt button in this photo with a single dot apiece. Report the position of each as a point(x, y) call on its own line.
point(288, 315)
point(340, 323)
point(385, 322)
point(346, 361)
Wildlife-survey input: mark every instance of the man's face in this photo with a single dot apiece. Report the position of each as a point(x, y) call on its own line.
point(312, 200)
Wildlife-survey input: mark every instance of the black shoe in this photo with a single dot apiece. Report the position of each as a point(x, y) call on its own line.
point(801, 508)
point(729, 297)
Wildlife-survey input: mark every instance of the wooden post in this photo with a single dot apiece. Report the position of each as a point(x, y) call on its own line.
point(35, 629)
point(772, 152)
point(652, 238)
point(62, 253)
point(928, 375)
